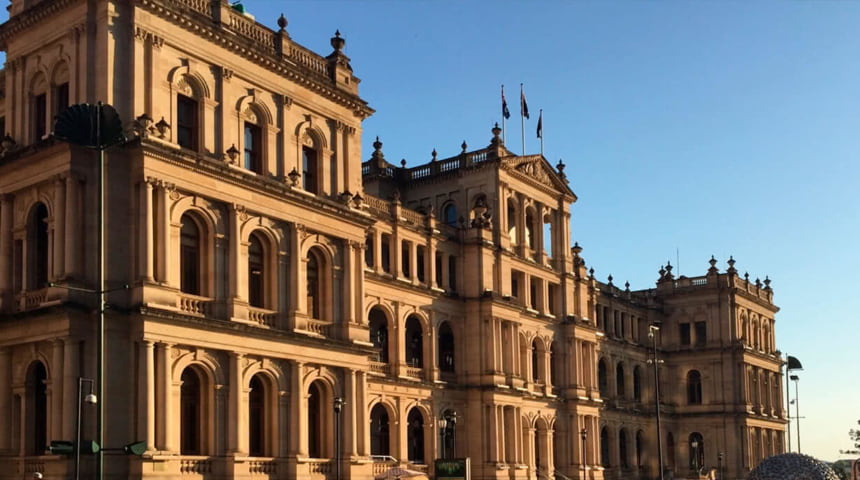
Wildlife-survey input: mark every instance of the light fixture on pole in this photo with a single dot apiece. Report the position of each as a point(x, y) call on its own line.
point(450, 432)
point(338, 408)
point(97, 127)
point(795, 379)
point(89, 399)
point(720, 465)
point(652, 334)
point(791, 364)
point(583, 436)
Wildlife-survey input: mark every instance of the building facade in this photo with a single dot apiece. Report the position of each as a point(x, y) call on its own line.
point(279, 308)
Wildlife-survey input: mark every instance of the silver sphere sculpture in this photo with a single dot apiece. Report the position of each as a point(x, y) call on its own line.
point(792, 466)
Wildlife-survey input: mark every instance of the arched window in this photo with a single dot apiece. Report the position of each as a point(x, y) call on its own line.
point(60, 88)
point(379, 333)
point(535, 362)
point(604, 447)
point(640, 448)
point(253, 147)
point(189, 256)
point(187, 123)
point(602, 382)
point(256, 273)
point(619, 380)
point(314, 284)
point(449, 214)
point(696, 446)
point(380, 443)
point(316, 432)
point(694, 387)
point(622, 448)
point(415, 436)
point(446, 348)
point(191, 413)
point(36, 393)
point(637, 383)
point(414, 344)
point(310, 169)
point(257, 418)
point(37, 247)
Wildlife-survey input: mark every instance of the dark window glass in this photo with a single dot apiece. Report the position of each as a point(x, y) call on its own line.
point(405, 259)
point(602, 382)
point(253, 148)
point(189, 261)
point(437, 281)
point(450, 214)
point(61, 97)
point(37, 399)
point(419, 264)
point(256, 273)
point(386, 254)
point(314, 290)
point(40, 111)
point(414, 345)
point(368, 251)
point(619, 380)
point(315, 433)
point(186, 122)
point(694, 387)
point(257, 418)
point(37, 248)
point(379, 438)
point(637, 384)
point(701, 334)
point(2, 126)
point(379, 333)
point(452, 273)
point(446, 348)
point(415, 436)
point(697, 451)
point(604, 447)
point(189, 411)
point(685, 334)
point(622, 448)
point(310, 170)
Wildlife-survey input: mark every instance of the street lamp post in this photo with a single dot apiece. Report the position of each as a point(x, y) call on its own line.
point(652, 329)
point(90, 399)
point(791, 364)
point(796, 379)
point(583, 436)
point(338, 408)
point(451, 431)
point(720, 465)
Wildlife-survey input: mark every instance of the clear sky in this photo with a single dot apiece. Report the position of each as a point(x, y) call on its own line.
point(689, 129)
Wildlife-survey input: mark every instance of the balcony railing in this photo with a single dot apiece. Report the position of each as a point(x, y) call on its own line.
point(262, 316)
point(193, 304)
point(195, 465)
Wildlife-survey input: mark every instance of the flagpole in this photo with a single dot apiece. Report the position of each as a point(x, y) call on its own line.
point(540, 122)
point(522, 121)
point(503, 114)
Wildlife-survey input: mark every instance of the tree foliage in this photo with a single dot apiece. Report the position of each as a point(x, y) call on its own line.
point(854, 435)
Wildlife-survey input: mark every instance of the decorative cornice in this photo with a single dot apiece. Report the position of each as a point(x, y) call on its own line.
point(251, 50)
point(31, 16)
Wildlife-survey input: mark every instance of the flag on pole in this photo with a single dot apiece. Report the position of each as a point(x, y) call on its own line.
point(524, 107)
point(505, 112)
point(540, 125)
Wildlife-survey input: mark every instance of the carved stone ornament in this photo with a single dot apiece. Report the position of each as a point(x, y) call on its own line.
point(307, 140)
point(183, 87)
point(250, 114)
point(535, 170)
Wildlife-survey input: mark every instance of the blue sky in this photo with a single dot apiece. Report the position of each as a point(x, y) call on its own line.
point(688, 129)
point(702, 128)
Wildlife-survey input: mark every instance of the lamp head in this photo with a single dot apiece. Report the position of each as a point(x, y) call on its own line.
point(794, 377)
point(37, 476)
point(91, 399)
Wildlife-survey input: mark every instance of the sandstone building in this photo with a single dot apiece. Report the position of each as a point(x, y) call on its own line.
point(273, 274)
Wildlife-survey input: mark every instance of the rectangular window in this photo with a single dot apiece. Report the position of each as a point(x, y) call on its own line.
point(419, 263)
point(701, 334)
point(386, 253)
point(18, 280)
point(552, 299)
point(534, 291)
point(309, 170)
point(61, 97)
point(186, 123)
point(40, 111)
point(685, 334)
point(452, 273)
point(253, 148)
point(515, 284)
point(368, 251)
point(438, 279)
point(405, 258)
point(2, 127)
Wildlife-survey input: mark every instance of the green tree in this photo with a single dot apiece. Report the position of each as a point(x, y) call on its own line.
point(854, 435)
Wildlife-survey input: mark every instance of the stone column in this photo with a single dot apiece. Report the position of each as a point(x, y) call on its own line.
point(237, 424)
point(5, 397)
point(350, 425)
point(146, 227)
point(238, 275)
point(73, 226)
point(149, 401)
point(163, 249)
point(362, 415)
point(60, 213)
point(58, 394)
point(165, 408)
point(298, 412)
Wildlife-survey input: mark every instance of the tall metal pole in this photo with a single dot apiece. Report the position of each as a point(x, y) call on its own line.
point(78, 432)
point(100, 373)
point(652, 329)
point(583, 434)
point(788, 404)
point(338, 407)
point(797, 408)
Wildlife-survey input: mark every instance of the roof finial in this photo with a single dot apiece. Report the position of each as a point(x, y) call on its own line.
point(282, 22)
point(337, 42)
